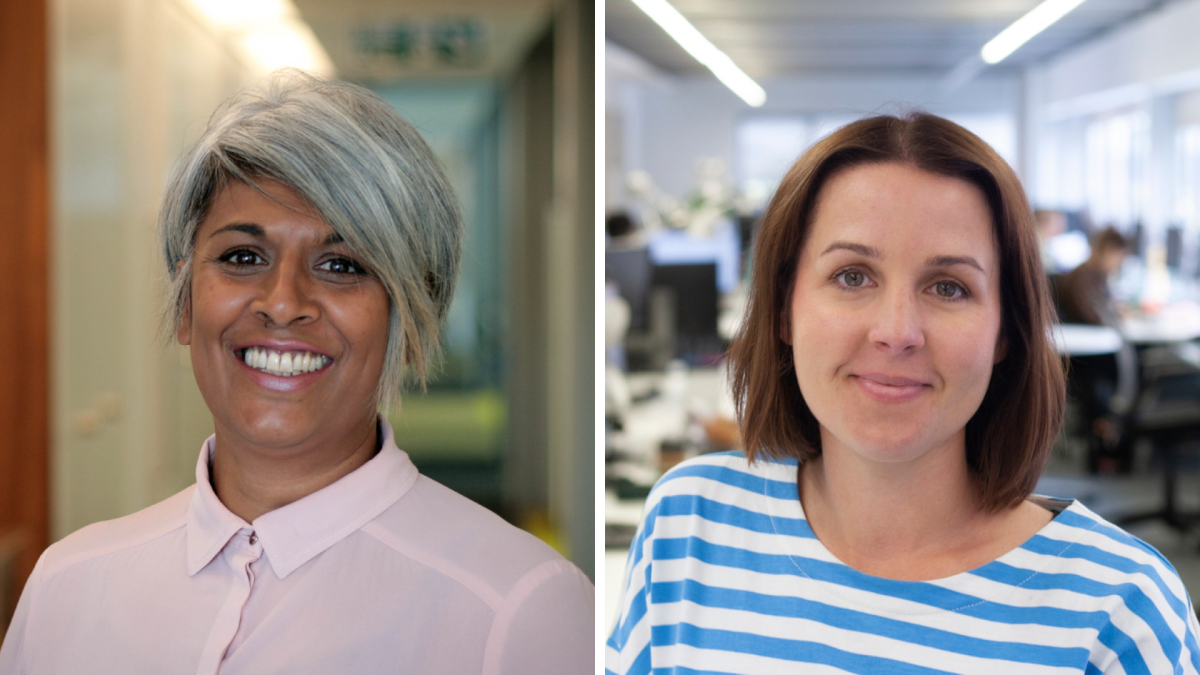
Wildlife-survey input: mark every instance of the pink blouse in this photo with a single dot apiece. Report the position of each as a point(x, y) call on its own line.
point(384, 571)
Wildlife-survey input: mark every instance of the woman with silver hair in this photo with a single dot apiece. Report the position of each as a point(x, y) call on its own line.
point(312, 244)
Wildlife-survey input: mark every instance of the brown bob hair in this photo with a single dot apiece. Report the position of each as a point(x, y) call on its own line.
point(1009, 437)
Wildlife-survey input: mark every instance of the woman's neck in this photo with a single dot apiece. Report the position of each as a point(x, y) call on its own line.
point(251, 481)
point(910, 520)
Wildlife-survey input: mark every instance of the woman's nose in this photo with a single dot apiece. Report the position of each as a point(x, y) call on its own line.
point(286, 297)
point(898, 325)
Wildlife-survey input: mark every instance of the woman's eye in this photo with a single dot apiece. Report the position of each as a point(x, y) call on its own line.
point(242, 257)
point(949, 289)
point(852, 278)
point(342, 266)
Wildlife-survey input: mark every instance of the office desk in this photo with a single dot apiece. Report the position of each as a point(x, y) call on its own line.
point(668, 403)
point(617, 512)
point(1172, 324)
point(1073, 339)
point(665, 404)
point(1177, 322)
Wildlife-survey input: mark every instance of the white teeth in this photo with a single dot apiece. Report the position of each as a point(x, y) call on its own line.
point(285, 364)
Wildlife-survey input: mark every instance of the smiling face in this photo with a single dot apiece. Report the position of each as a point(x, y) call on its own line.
point(895, 312)
point(288, 333)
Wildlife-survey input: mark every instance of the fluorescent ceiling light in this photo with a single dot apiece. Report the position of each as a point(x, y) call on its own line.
point(1037, 20)
point(245, 14)
point(270, 32)
point(289, 44)
point(703, 51)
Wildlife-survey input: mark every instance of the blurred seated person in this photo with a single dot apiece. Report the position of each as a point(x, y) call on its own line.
point(1082, 294)
point(1082, 297)
point(622, 231)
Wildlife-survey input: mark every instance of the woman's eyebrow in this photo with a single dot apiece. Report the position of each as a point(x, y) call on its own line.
point(935, 261)
point(257, 232)
point(249, 228)
point(860, 249)
point(951, 260)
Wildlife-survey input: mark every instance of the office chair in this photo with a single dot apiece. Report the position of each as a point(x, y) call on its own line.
point(1167, 413)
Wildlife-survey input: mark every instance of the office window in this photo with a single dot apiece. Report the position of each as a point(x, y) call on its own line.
point(1187, 176)
point(998, 130)
point(829, 124)
point(1116, 150)
point(764, 149)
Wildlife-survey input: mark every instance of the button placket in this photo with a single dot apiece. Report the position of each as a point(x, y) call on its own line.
point(228, 619)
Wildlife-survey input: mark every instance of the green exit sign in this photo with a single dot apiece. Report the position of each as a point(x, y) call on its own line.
point(423, 44)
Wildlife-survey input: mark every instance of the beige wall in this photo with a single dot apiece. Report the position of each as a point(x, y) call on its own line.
point(132, 82)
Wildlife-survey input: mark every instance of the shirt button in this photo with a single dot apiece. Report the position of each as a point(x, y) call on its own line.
point(253, 538)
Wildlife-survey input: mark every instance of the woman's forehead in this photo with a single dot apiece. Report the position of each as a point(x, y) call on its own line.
point(894, 208)
point(265, 209)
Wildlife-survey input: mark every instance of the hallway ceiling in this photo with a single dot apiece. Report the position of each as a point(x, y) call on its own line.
point(771, 38)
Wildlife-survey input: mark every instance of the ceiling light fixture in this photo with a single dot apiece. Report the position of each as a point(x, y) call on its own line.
point(683, 32)
point(1035, 21)
point(271, 33)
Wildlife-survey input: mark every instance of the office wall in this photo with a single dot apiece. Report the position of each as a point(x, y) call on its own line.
point(1150, 66)
point(529, 186)
point(133, 82)
point(550, 129)
point(668, 122)
point(571, 293)
point(1157, 53)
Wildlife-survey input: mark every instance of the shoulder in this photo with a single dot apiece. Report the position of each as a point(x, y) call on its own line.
point(725, 477)
point(731, 469)
point(1089, 537)
point(1138, 588)
point(716, 499)
point(112, 536)
point(455, 537)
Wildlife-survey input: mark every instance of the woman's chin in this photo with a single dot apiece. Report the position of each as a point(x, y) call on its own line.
point(884, 444)
point(272, 427)
point(282, 421)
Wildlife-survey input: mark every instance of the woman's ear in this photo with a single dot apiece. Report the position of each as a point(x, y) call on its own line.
point(1001, 349)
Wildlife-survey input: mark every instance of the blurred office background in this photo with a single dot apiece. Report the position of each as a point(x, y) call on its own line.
point(99, 419)
point(1100, 116)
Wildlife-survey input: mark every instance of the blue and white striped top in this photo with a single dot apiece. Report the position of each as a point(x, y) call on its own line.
point(725, 576)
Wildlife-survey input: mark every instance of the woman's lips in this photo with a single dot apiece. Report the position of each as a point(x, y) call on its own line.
point(889, 388)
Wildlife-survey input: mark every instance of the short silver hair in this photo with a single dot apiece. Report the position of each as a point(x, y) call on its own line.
point(367, 173)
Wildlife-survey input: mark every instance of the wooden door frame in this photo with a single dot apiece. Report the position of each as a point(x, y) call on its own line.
point(24, 278)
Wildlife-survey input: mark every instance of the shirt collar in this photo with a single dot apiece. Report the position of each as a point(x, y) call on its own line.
point(296, 533)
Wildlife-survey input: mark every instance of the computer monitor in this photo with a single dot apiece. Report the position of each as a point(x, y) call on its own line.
point(676, 247)
point(1174, 247)
point(693, 289)
point(1138, 245)
point(1077, 221)
point(630, 270)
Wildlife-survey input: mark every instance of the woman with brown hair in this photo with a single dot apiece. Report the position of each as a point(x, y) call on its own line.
point(898, 395)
